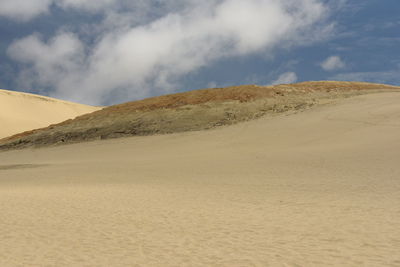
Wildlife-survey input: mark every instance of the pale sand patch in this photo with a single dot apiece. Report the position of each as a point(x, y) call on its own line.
point(318, 188)
point(21, 112)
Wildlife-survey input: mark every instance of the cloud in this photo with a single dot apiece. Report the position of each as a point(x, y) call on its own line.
point(286, 78)
point(132, 60)
point(51, 63)
point(23, 10)
point(86, 4)
point(26, 10)
point(333, 63)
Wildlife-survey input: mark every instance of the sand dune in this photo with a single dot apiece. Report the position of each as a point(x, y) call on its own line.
point(21, 112)
point(317, 188)
point(191, 111)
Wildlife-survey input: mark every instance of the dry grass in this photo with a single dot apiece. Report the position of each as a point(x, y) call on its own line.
point(189, 111)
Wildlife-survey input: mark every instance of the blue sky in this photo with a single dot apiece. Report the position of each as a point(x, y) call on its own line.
point(112, 51)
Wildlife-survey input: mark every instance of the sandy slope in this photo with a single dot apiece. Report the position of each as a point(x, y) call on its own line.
point(22, 112)
point(318, 188)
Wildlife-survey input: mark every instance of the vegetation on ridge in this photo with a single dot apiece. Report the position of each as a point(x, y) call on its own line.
point(190, 111)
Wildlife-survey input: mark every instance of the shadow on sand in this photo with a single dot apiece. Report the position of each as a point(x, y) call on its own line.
point(20, 166)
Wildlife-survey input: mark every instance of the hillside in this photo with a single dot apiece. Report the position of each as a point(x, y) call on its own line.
point(191, 111)
point(22, 112)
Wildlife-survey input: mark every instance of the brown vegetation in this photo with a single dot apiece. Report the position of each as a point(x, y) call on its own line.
point(189, 111)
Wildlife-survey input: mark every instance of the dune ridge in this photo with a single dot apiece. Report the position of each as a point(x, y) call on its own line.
point(23, 111)
point(191, 111)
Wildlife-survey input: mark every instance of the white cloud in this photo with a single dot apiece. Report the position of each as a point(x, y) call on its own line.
point(94, 5)
point(23, 10)
point(333, 63)
point(133, 61)
point(286, 78)
point(52, 63)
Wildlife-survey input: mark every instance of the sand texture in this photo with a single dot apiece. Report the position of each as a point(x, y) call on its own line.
point(317, 188)
point(21, 112)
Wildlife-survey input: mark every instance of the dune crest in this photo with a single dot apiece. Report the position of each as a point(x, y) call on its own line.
point(191, 111)
point(21, 112)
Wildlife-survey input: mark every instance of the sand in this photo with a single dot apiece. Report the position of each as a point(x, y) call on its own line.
point(21, 112)
point(317, 188)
